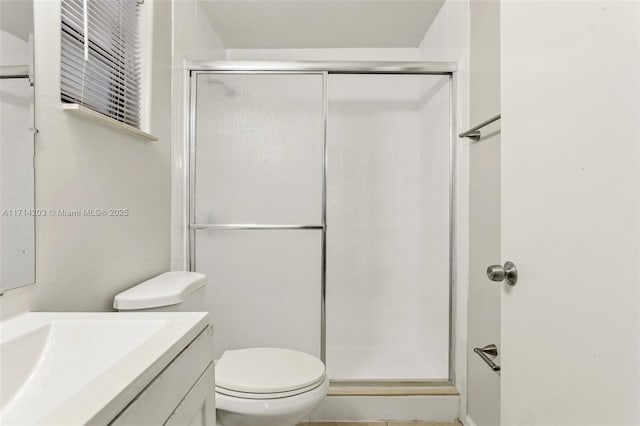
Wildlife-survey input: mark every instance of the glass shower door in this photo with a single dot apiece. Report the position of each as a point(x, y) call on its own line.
point(388, 225)
point(257, 180)
point(258, 151)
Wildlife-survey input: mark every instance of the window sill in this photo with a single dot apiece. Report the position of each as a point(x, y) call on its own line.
point(89, 113)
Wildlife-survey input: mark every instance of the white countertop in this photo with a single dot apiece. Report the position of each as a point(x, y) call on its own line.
point(84, 368)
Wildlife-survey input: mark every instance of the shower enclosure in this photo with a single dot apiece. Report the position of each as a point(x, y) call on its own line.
point(321, 200)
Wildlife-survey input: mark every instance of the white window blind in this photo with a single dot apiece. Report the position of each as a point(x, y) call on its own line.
point(100, 61)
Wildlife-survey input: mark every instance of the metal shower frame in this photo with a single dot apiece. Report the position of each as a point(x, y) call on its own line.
point(324, 68)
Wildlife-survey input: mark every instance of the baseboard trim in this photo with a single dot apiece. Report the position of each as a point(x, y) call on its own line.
point(468, 421)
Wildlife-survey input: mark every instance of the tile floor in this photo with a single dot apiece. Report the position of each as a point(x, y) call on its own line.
point(390, 423)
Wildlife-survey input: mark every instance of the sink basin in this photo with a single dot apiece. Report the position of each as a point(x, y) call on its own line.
point(79, 368)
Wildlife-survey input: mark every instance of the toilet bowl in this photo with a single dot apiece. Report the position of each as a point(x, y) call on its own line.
point(268, 387)
point(254, 386)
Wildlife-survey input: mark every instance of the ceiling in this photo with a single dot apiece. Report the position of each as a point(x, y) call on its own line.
point(16, 17)
point(289, 24)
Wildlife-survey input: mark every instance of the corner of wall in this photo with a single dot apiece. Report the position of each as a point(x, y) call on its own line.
point(196, 40)
point(17, 301)
point(448, 39)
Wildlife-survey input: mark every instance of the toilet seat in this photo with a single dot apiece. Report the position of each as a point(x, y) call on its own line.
point(267, 373)
point(233, 411)
point(274, 395)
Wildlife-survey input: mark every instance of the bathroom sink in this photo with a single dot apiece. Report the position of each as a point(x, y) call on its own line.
point(79, 368)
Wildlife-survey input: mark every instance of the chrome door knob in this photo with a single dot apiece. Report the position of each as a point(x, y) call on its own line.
point(508, 272)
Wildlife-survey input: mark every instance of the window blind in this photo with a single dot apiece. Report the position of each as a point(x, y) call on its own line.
point(100, 60)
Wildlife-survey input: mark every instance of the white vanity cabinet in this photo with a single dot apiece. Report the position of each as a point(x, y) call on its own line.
point(182, 394)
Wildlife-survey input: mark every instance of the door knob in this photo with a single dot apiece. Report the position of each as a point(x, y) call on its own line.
point(508, 272)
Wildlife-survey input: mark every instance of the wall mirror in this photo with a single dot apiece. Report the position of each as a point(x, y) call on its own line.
point(17, 190)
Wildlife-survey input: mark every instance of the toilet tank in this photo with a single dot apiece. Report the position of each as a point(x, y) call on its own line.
point(172, 291)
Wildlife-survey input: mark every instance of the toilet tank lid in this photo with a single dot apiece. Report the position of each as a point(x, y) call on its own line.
point(166, 289)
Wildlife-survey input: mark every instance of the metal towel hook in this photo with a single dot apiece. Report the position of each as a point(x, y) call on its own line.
point(474, 132)
point(485, 352)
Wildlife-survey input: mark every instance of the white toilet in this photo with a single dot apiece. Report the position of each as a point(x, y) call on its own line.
point(254, 386)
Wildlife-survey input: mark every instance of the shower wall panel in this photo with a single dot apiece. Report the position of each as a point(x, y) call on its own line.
point(388, 227)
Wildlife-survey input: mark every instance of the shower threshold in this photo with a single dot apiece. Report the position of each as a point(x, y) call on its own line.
point(364, 388)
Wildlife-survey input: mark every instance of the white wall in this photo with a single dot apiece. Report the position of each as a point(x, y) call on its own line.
point(321, 24)
point(571, 212)
point(20, 299)
point(17, 301)
point(82, 262)
point(17, 232)
point(484, 211)
point(342, 54)
point(193, 39)
point(448, 40)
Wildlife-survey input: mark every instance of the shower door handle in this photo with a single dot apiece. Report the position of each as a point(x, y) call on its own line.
point(250, 226)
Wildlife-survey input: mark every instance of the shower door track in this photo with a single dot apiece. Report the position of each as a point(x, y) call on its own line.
point(193, 68)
